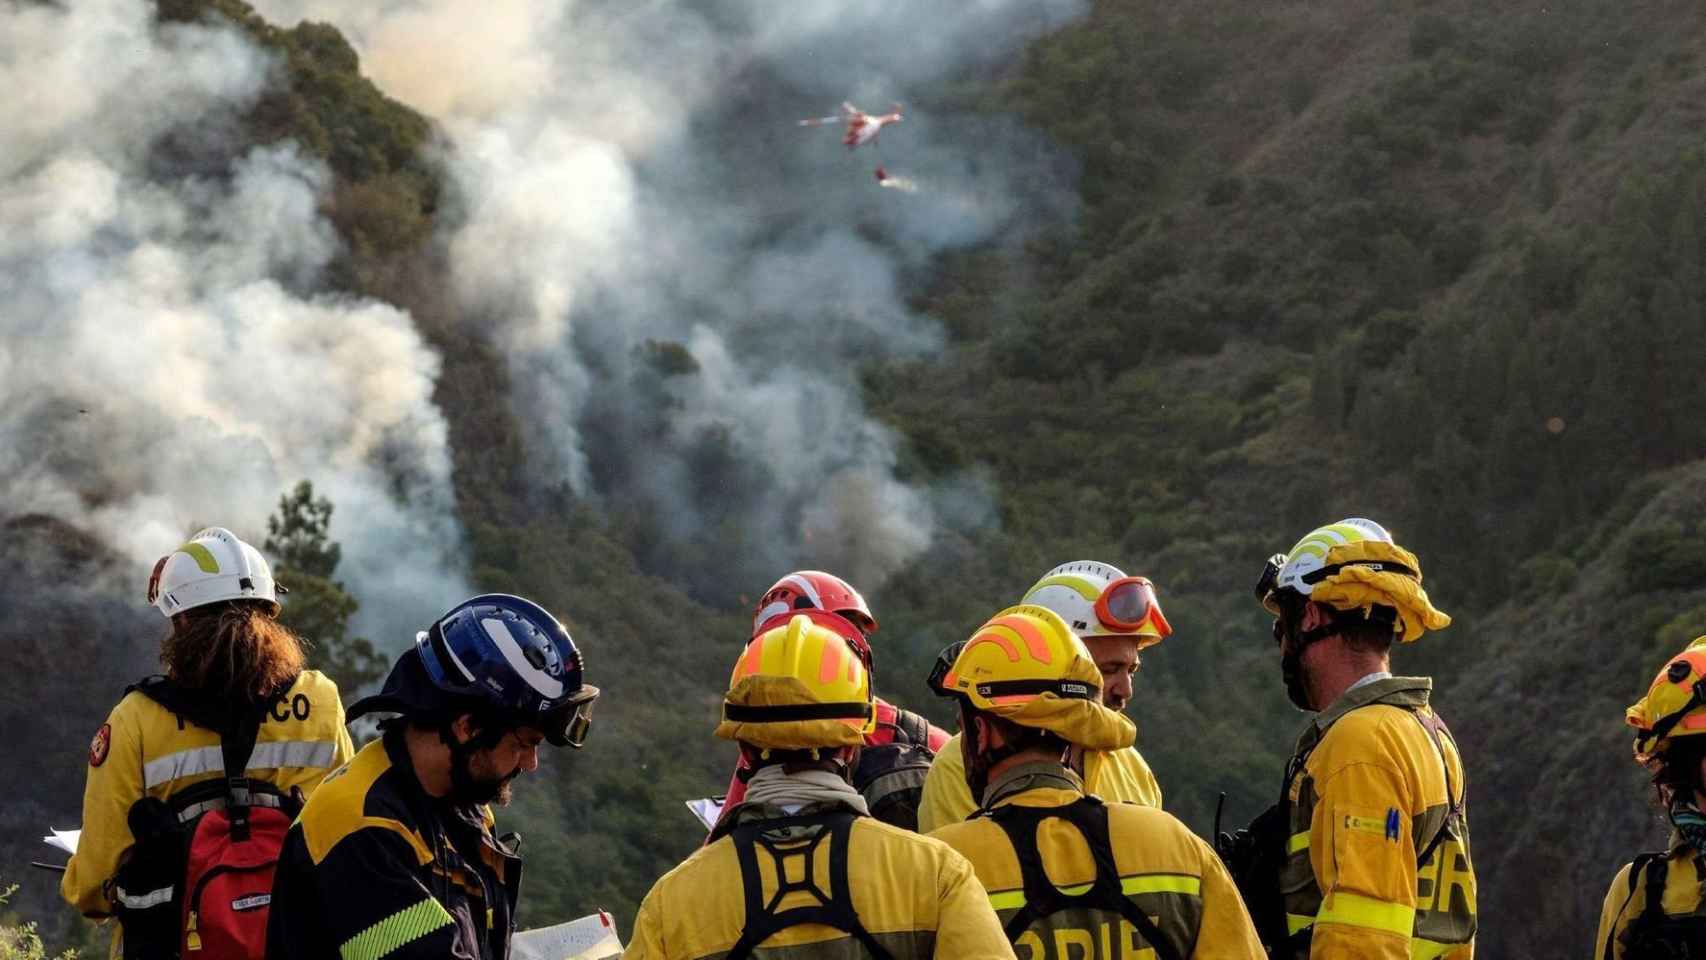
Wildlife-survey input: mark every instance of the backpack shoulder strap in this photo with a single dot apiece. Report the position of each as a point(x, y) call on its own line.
point(1042, 898)
point(184, 702)
point(1435, 727)
point(1640, 865)
point(1658, 870)
point(238, 727)
point(833, 909)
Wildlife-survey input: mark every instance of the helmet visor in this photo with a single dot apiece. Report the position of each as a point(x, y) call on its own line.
point(1268, 581)
point(944, 663)
point(568, 725)
point(1128, 604)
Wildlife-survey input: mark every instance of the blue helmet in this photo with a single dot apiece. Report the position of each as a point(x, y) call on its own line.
point(498, 652)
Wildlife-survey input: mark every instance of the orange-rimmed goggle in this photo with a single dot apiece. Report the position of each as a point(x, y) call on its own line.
point(1128, 605)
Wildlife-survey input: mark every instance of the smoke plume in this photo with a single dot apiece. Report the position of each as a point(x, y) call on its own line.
point(165, 362)
point(684, 281)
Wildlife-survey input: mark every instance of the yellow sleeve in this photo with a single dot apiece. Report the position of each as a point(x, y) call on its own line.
point(344, 751)
point(946, 798)
point(646, 943)
point(1121, 776)
point(1365, 861)
point(966, 925)
point(112, 785)
point(1149, 788)
point(1611, 920)
point(1227, 932)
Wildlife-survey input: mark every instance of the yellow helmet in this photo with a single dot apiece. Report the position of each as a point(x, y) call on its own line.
point(1675, 704)
point(1027, 666)
point(800, 685)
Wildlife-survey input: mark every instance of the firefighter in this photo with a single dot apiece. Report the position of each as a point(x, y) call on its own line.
point(158, 766)
point(1069, 874)
point(1654, 908)
point(1367, 853)
point(1116, 616)
point(395, 856)
point(799, 868)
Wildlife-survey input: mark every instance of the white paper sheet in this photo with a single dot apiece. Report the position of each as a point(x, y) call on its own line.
point(708, 810)
point(65, 840)
point(589, 938)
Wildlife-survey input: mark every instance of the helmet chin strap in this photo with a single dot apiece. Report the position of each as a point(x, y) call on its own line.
point(1291, 663)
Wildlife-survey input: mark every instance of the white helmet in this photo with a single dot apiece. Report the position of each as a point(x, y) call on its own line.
point(213, 566)
point(1099, 599)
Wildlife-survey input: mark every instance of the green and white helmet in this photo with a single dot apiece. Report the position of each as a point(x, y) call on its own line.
point(1309, 555)
point(1098, 600)
point(1352, 565)
point(213, 566)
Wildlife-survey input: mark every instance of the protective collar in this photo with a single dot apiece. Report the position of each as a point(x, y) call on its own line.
point(1369, 573)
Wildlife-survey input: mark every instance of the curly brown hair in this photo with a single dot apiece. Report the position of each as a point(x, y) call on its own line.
point(235, 650)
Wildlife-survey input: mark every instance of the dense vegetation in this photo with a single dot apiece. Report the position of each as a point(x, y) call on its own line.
point(1440, 265)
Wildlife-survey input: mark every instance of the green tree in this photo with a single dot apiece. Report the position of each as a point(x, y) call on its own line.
point(318, 608)
point(20, 942)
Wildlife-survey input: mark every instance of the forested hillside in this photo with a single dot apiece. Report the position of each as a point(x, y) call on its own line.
point(1266, 266)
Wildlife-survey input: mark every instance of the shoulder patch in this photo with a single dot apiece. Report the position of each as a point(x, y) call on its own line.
point(100, 744)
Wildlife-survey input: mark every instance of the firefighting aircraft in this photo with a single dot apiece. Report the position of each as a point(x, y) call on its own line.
point(862, 128)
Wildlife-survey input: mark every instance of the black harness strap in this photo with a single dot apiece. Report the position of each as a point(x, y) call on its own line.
point(764, 919)
point(1043, 898)
point(1658, 869)
point(1435, 726)
point(1635, 869)
point(238, 726)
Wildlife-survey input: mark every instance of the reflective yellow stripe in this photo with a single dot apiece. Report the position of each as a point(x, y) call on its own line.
point(1356, 911)
point(1163, 883)
point(1077, 585)
point(1298, 841)
point(396, 931)
point(1430, 949)
point(1297, 921)
point(1144, 883)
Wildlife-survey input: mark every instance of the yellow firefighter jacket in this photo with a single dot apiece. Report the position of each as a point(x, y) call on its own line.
point(1681, 905)
point(914, 896)
point(1173, 879)
point(146, 750)
point(1118, 776)
point(1368, 791)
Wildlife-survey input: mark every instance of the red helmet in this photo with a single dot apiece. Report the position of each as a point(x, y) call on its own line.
point(813, 590)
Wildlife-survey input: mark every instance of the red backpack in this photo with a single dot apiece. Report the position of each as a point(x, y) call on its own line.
point(198, 883)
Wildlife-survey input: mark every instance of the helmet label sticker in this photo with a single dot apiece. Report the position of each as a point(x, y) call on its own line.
point(99, 746)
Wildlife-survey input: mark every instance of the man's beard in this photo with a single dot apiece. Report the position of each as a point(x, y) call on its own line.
point(468, 789)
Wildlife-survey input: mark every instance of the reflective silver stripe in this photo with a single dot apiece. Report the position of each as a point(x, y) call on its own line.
point(152, 898)
point(218, 803)
point(266, 756)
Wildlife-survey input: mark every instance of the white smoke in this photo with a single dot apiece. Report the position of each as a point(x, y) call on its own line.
point(162, 366)
point(627, 175)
